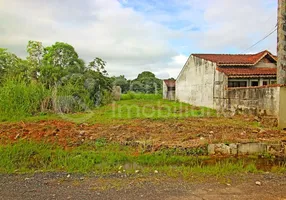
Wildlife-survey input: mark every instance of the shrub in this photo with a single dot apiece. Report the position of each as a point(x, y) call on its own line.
point(19, 99)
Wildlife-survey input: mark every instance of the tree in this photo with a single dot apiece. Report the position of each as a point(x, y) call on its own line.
point(59, 62)
point(148, 83)
point(122, 82)
point(12, 66)
point(99, 65)
point(35, 52)
point(64, 56)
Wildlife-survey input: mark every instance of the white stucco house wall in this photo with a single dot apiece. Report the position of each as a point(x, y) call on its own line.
point(205, 77)
point(169, 89)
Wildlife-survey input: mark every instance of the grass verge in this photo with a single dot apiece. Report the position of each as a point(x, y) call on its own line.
point(102, 158)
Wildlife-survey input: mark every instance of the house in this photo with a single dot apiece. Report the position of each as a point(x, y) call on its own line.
point(206, 77)
point(169, 88)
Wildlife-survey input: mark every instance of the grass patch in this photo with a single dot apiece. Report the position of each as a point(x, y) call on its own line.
point(141, 109)
point(103, 158)
point(133, 95)
point(139, 106)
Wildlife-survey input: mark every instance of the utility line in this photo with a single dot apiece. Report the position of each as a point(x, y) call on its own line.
point(261, 39)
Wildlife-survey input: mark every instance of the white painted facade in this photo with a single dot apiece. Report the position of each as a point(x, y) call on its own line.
point(195, 83)
point(201, 84)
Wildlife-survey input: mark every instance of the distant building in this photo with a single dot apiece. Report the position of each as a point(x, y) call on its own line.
point(169, 89)
point(205, 77)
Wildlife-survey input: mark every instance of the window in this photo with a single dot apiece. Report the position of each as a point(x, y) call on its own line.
point(265, 83)
point(254, 83)
point(237, 84)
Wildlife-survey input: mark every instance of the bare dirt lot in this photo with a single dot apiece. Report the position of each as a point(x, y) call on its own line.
point(189, 132)
point(64, 186)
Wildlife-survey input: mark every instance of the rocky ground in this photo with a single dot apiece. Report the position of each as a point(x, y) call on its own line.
point(65, 186)
point(188, 132)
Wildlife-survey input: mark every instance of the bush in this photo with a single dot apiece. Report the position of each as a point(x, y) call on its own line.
point(19, 99)
point(71, 98)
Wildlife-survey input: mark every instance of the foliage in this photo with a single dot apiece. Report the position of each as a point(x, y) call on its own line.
point(19, 99)
point(103, 158)
point(122, 82)
point(11, 66)
point(64, 56)
point(146, 82)
point(35, 52)
point(71, 84)
point(99, 65)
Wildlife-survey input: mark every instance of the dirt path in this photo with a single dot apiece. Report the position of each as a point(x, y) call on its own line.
point(62, 186)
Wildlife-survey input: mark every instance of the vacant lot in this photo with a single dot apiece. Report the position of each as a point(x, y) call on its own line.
point(146, 135)
point(151, 122)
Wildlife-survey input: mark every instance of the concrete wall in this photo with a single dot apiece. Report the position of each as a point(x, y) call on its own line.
point(252, 100)
point(168, 94)
point(195, 83)
point(165, 90)
point(282, 107)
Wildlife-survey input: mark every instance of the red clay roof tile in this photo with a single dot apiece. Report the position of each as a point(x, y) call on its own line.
point(235, 59)
point(239, 71)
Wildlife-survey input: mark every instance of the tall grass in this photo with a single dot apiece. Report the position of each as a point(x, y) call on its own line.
point(104, 158)
point(19, 99)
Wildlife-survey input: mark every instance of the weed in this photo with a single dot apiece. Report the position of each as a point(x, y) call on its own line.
point(106, 159)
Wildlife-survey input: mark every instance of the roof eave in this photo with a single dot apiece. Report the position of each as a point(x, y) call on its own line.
point(251, 76)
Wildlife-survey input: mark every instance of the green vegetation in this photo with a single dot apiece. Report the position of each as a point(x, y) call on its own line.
point(51, 79)
point(19, 99)
point(140, 106)
point(54, 79)
point(131, 106)
point(132, 95)
point(103, 158)
point(146, 82)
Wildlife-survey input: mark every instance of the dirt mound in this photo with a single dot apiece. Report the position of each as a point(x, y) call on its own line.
point(189, 132)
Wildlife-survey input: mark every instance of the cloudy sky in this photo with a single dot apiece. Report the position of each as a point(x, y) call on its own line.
point(138, 35)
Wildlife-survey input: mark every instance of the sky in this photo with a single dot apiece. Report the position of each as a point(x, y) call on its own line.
point(140, 35)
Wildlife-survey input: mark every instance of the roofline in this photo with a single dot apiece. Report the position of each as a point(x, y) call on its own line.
point(187, 62)
point(239, 64)
point(252, 76)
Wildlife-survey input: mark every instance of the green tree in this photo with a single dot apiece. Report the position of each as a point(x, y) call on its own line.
point(12, 66)
point(35, 52)
point(122, 82)
point(99, 65)
point(64, 56)
point(147, 82)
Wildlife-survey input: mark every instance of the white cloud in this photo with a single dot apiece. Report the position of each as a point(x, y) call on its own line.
point(133, 40)
point(238, 24)
point(121, 36)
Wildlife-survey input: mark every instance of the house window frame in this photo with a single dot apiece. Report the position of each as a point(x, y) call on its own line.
point(254, 80)
point(265, 80)
point(239, 80)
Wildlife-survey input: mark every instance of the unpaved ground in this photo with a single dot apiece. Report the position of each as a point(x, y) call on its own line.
point(60, 186)
point(188, 132)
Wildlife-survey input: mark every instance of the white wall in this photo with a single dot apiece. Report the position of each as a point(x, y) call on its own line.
point(195, 83)
point(165, 90)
